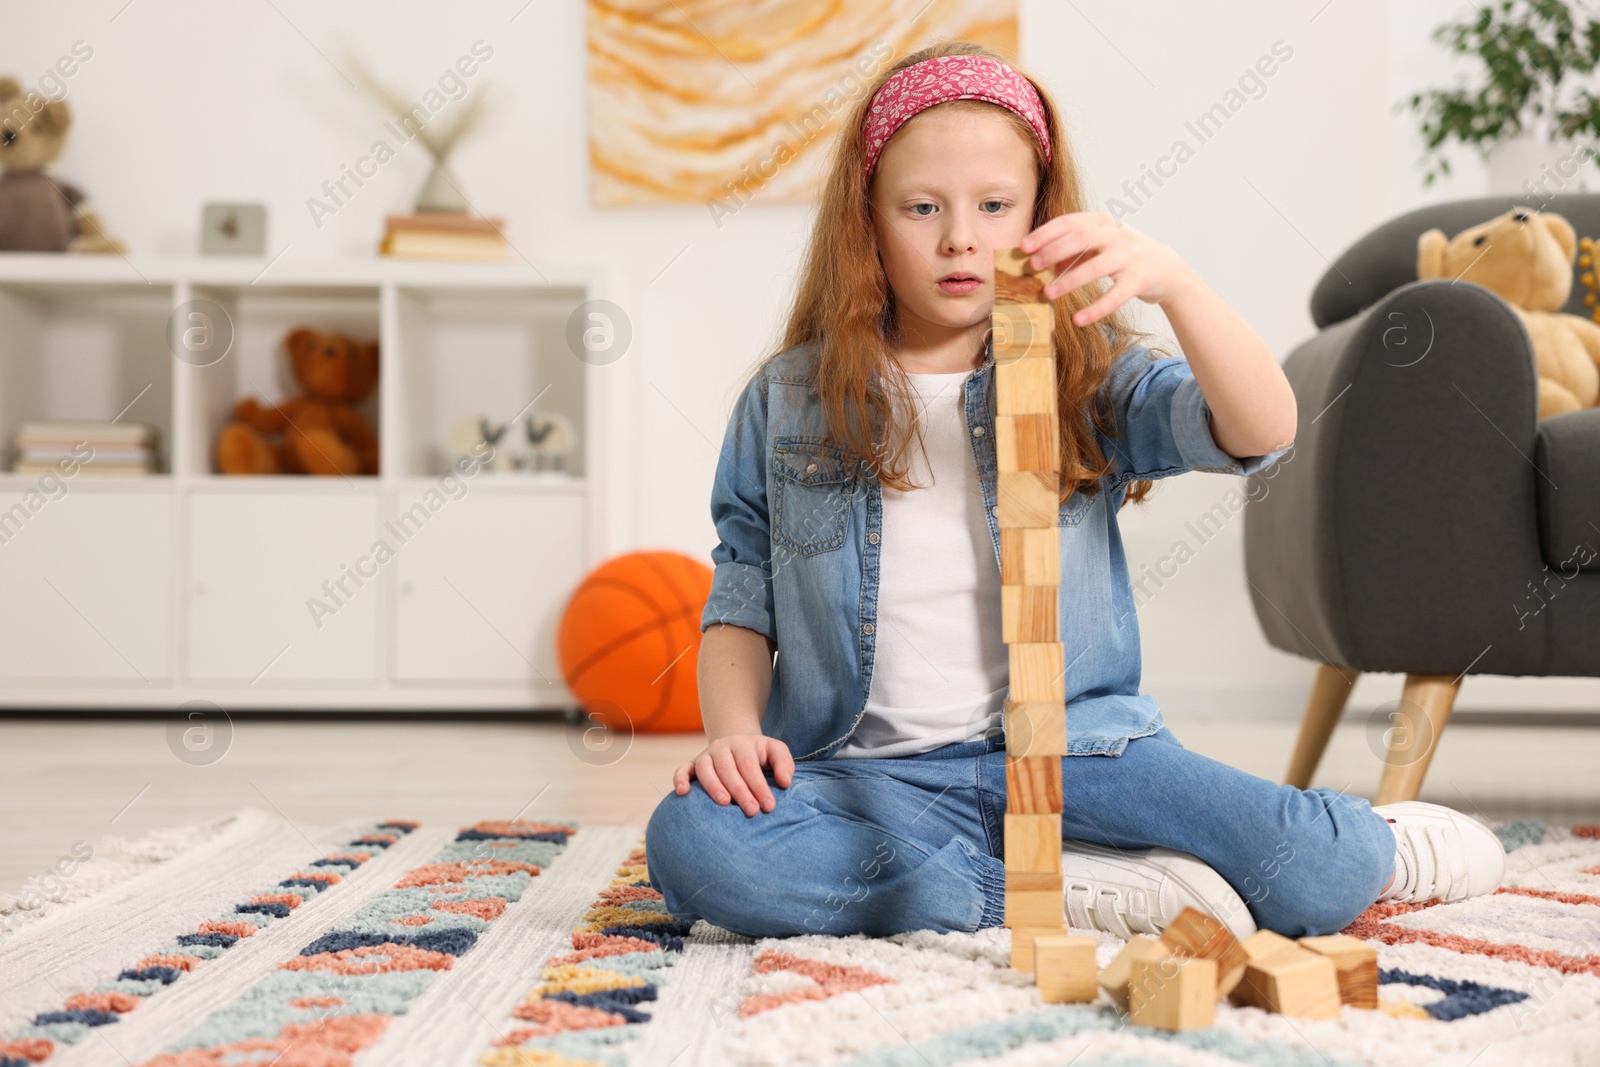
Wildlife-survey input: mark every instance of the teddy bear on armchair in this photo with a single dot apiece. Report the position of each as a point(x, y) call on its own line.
point(318, 431)
point(1525, 257)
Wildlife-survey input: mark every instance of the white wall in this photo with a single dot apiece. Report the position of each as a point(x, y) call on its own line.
point(187, 101)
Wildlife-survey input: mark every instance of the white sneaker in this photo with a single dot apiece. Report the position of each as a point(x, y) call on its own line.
point(1441, 853)
point(1140, 891)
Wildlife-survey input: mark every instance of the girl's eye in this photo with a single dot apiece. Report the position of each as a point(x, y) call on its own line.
point(994, 206)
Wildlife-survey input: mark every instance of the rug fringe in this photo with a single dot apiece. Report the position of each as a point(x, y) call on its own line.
point(112, 860)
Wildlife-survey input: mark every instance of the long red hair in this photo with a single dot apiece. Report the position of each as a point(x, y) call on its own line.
point(844, 303)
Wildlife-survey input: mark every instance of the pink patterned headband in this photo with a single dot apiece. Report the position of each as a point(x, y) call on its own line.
point(942, 78)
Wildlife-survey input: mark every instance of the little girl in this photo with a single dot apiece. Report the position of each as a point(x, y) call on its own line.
point(867, 760)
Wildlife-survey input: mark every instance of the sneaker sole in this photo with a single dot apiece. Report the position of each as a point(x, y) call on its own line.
point(1190, 878)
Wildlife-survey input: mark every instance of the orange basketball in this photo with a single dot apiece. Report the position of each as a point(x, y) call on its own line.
point(629, 641)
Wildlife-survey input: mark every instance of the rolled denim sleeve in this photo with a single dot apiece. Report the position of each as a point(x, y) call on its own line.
point(741, 579)
point(1164, 422)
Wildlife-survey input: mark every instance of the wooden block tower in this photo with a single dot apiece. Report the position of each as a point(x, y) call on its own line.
point(1027, 450)
point(1173, 982)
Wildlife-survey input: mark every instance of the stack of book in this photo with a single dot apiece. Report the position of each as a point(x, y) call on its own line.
point(443, 235)
point(101, 447)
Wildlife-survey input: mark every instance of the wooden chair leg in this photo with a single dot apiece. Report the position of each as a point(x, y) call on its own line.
point(1330, 690)
point(1413, 739)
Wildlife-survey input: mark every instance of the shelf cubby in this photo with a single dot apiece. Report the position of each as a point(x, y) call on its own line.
point(259, 319)
point(501, 353)
point(151, 591)
point(93, 351)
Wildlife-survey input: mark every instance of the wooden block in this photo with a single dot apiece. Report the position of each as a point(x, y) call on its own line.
point(1063, 966)
point(1264, 943)
point(1033, 898)
point(1025, 387)
point(1033, 785)
point(1015, 281)
point(1022, 331)
point(1033, 843)
point(1029, 613)
point(1194, 933)
point(1027, 443)
point(1029, 498)
point(1173, 992)
point(1034, 728)
point(1295, 981)
point(1022, 939)
point(1030, 881)
point(1356, 963)
point(1261, 945)
point(1030, 556)
point(1036, 672)
point(1114, 979)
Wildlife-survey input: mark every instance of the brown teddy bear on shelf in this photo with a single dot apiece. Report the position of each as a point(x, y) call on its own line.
point(317, 432)
point(39, 213)
point(1525, 257)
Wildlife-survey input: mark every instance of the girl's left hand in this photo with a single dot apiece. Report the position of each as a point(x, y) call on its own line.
point(1084, 246)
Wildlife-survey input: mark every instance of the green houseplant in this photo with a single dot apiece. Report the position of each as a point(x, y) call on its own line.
point(1528, 106)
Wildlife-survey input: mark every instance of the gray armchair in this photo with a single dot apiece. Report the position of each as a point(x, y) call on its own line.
point(1425, 521)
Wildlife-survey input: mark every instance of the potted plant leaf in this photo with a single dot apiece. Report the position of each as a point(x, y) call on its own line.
point(1531, 115)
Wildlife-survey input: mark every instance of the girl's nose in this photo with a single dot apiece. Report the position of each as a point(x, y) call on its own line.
point(958, 238)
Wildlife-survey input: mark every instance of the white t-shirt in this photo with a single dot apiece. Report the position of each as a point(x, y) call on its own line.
point(940, 672)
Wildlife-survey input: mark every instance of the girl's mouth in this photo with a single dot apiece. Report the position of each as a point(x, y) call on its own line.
point(959, 284)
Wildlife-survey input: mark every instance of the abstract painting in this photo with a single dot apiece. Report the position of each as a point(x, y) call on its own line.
point(700, 101)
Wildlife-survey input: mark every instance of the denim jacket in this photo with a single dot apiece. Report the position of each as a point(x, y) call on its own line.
point(800, 521)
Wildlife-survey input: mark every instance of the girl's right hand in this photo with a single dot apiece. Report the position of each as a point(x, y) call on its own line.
point(731, 767)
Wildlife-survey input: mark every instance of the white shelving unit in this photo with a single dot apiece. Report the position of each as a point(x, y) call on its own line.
point(189, 585)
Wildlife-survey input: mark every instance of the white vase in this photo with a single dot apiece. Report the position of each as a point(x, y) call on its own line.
point(440, 193)
point(1529, 165)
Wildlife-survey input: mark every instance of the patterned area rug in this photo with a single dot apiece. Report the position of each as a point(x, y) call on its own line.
point(541, 943)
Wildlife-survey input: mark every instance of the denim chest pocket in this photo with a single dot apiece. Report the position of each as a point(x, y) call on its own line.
point(1072, 512)
point(812, 485)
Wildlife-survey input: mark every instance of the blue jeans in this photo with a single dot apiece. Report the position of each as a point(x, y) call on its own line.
point(881, 846)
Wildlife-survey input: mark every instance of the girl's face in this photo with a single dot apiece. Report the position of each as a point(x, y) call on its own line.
point(951, 186)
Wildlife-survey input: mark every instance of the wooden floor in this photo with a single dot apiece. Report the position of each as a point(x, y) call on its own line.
point(72, 779)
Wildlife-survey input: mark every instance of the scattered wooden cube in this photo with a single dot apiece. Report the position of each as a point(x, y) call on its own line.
point(1022, 939)
point(1356, 962)
point(1064, 967)
point(1264, 943)
point(1194, 933)
point(1293, 981)
point(1173, 992)
point(1259, 946)
point(1114, 979)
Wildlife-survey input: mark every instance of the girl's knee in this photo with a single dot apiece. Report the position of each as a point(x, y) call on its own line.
point(669, 834)
point(1310, 915)
point(687, 843)
point(1316, 887)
